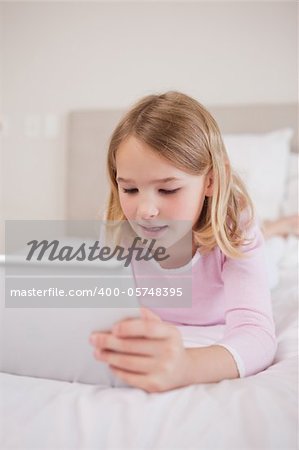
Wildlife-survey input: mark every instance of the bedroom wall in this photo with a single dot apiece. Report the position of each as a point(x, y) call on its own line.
point(59, 57)
point(1, 137)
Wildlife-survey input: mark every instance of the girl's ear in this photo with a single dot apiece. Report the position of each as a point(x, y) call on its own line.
point(209, 184)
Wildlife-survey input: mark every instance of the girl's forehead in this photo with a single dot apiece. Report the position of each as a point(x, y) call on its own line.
point(137, 162)
point(136, 154)
point(134, 146)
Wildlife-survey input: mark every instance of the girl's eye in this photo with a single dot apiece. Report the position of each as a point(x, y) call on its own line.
point(130, 191)
point(167, 192)
point(162, 191)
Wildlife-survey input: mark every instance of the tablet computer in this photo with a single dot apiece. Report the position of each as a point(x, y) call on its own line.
point(53, 342)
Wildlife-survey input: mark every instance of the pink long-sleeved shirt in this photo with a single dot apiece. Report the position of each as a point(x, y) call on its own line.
point(227, 291)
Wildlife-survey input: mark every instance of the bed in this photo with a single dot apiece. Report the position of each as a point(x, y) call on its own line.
point(257, 412)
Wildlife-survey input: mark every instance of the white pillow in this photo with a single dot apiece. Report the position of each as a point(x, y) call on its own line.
point(262, 162)
point(290, 199)
point(274, 252)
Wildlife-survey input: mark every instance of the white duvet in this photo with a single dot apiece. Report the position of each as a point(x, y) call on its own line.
point(257, 412)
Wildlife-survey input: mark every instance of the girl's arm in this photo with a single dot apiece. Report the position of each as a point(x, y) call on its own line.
point(283, 226)
point(211, 364)
point(250, 329)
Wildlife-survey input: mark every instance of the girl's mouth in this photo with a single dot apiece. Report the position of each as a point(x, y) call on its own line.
point(153, 231)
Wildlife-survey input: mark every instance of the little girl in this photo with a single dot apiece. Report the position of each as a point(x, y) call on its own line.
point(167, 163)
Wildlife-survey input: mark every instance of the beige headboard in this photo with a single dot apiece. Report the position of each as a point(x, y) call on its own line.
point(89, 132)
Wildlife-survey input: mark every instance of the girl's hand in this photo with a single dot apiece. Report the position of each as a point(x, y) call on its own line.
point(145, 352)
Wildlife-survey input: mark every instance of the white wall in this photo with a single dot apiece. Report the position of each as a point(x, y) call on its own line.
point(59, 57)
point(1, 136)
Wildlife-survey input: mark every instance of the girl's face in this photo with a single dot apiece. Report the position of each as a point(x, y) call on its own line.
point(155, 196)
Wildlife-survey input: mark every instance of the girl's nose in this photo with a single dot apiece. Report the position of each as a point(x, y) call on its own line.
point(147, 211)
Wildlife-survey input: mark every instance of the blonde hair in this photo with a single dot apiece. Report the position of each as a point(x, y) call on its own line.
point(183, 132)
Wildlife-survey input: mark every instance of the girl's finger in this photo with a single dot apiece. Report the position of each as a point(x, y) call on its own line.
point(133, 379)
point(134, 346)
point(142, 328)
point(147, 383)
point(132, 363)
point(148, 314)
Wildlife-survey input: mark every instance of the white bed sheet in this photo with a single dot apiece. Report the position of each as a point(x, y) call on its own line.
point(257, 412)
